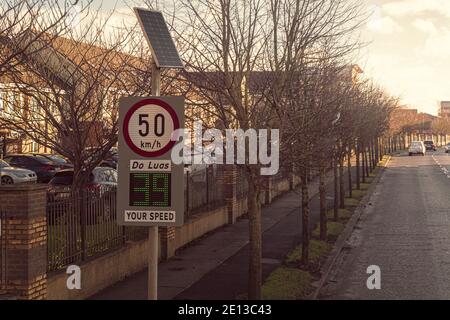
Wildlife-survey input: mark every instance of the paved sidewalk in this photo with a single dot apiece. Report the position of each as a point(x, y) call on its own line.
point(221, 258)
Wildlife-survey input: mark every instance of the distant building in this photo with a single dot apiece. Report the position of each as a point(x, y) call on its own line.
point(352, 73)
point(444, 109)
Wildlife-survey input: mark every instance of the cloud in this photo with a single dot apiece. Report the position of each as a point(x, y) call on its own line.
point(437, 46)
point(425, 26)
point(380, 23)
point(405, 8)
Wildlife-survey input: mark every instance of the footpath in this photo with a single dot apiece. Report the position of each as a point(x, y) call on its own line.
point(216, 266)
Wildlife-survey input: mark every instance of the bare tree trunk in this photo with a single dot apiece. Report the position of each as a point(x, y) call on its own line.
point(254, 213)
point(358, 175)
point(349, 171)
point(305, 217)
point(336, 189)
point(377, 150)
point(341, 182)
point(323, 207)
point(366, 160)
point(363, 157)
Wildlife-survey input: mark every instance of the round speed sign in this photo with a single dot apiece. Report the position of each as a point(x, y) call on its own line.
point(148, 127)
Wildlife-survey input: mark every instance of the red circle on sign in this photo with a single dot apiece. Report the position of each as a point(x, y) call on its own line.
point(126, 133)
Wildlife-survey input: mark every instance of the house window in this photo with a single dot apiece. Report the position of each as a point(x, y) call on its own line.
point(34, 147)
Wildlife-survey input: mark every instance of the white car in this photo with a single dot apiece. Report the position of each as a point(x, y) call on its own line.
point(417, 147)
point(13, 175)
point(447, 148)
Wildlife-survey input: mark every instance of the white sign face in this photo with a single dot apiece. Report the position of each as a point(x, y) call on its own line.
point(149, 126)
point(150, 187)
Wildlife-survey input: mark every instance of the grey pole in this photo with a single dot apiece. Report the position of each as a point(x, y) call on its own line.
point(153, 239)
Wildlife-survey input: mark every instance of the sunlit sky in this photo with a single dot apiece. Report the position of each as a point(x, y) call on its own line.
point(408, 50)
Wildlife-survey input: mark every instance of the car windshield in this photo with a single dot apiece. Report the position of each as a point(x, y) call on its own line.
point(416, 144)
point(61, 178)
point(43, 159)
point(428, 142)
point(4, 164)
point(66, 178)
point(57, 159)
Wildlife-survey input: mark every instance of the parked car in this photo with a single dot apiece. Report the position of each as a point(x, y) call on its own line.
point(110, 159)
point(95, 201)
point(108, 163)
point(57, 159)
point(447, 148)
point(13, 175)
point(429, 145)
point(44, 168)
point(417, 147)
point(60, 185)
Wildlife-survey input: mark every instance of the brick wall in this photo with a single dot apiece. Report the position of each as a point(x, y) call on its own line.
point(25, 240)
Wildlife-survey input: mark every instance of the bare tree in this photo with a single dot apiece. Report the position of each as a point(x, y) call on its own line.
point(44, 17)
point(310, 38)
point(69, 88)
point(222, 43)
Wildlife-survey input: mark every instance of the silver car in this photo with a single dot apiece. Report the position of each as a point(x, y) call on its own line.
point(417, 147)
point(447, 148)
point(13, 175)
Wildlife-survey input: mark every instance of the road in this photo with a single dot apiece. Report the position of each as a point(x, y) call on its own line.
point(405, 230)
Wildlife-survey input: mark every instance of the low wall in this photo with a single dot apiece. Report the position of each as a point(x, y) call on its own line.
point(242, 207)
point(106, 270)
point(100, 273)
point(280, 187)
point(199, 225)
point(296, 180)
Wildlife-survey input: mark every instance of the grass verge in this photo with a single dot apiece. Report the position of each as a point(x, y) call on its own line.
point(292, 281)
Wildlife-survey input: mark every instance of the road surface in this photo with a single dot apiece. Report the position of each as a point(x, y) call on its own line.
point(405, 230)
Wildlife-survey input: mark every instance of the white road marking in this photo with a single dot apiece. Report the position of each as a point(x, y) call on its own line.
point(444, 170)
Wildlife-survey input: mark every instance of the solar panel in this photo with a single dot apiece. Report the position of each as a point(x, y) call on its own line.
point(158, 36)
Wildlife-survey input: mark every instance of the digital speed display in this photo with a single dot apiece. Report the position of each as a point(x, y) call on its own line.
point(150, 189)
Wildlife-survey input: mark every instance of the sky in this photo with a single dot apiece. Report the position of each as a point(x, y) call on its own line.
point(407, 49)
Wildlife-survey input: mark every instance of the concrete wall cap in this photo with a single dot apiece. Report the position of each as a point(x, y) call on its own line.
point(23, 187)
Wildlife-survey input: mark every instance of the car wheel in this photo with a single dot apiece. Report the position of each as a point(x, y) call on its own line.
point(7, 180)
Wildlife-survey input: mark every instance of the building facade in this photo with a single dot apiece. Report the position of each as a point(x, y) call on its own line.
point(444, 109)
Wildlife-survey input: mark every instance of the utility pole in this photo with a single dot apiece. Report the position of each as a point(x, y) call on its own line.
point(153, 230)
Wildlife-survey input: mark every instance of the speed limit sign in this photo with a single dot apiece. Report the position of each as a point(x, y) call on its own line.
point(148, 127)
point(150, 186)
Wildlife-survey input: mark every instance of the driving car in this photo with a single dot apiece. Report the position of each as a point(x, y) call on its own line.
point(12, 175)
point(447, 148)
point(417, 147)
point(429, 145)
point(44, 168)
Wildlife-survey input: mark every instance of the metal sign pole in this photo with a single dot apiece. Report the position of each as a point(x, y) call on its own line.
point(153, 237)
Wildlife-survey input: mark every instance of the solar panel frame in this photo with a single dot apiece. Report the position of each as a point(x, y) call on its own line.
point(162, 46)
